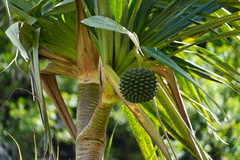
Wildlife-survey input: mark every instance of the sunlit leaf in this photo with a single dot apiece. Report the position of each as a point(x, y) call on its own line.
point(198, 71)
point(171, 64)
point(208, 25)
point(224, 65)
point(109, 24)
point(220, 36)
point(104, 23)
point(142, 138)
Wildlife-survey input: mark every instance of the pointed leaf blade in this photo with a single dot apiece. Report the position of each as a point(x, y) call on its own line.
point(161, 57)
point(13, 34)
point(143, 139)
point(104, 23)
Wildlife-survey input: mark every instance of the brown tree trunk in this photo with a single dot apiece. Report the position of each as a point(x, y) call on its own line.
point(92, 120)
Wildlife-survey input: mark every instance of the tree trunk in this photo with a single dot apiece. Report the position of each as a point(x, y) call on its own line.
point(92, 115)
point(92, 120)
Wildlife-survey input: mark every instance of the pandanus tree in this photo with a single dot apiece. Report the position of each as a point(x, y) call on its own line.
point(97, 43)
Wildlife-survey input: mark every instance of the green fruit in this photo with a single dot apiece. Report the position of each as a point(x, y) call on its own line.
point(138, 85)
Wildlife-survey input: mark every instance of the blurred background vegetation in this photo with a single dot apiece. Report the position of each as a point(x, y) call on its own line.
point(20, 117)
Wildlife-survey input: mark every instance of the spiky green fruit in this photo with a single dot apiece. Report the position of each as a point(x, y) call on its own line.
point(138, 85)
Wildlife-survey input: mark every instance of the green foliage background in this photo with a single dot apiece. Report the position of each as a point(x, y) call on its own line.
point(20, 116)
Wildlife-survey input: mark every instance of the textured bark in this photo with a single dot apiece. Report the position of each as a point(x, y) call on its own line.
point(92, 116)
point(88, 95)
point(92, 120)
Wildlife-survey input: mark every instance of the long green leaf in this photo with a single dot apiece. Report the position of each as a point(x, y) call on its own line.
point(22, 13)
point(143, 139)
point(13, 34)
point(220, 36)
point(177, 22)
point(208, 25)
point(37, 89)
point(36, 10)
point(58, 37)
point(199, 71)
point(169, 124)
point(199, 107)
point(22, 4)
point(107, 154)
point(104, 23)
point(161, 57)
point(131, 10)
point(63, 7)
point(59, 30)
point(111, 25)
point(157, 54)
point(69, 19)
point(224, 65)
point(143, 14)
point(165, 99)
